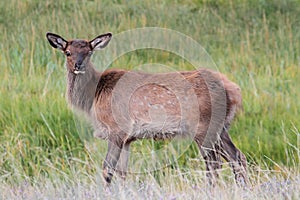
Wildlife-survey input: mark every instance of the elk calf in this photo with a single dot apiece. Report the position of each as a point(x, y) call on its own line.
point(125, 106)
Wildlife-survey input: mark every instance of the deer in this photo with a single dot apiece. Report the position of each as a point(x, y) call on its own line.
point(124, 106)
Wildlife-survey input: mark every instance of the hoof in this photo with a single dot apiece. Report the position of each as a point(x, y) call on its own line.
point(107, 175)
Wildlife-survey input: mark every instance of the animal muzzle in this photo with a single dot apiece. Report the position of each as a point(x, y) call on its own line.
point(79, 68)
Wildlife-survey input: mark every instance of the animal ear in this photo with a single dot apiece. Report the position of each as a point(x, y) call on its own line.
point(57, 41)
point(101, 41)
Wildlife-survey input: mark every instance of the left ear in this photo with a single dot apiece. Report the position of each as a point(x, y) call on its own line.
point(101, 41)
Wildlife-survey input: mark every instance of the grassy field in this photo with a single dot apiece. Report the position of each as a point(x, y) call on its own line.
point(42, 151)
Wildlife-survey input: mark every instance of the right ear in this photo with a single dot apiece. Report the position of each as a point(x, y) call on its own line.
point(57, 41)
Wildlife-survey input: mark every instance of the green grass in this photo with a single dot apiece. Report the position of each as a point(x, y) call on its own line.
point(255, 43)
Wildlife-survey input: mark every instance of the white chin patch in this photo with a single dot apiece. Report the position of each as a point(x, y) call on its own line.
point(79, 72)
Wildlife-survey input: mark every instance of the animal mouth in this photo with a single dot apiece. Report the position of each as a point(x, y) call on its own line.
point(79, 71)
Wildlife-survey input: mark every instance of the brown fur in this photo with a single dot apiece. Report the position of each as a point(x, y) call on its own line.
point(125, 106)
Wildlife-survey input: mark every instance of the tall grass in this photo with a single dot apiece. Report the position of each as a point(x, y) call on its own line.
point(255, 43)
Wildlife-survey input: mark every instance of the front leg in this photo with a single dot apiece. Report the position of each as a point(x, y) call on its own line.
point(123, 161)
point(110, 162)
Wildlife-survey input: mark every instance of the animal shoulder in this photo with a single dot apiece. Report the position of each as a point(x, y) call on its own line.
point(108, 80)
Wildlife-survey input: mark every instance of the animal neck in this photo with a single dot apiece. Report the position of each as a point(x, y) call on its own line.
point(81, 88)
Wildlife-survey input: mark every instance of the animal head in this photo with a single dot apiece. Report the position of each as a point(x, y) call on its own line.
point(78, 52)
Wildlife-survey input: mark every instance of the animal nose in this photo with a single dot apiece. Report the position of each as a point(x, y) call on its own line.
point(77, 66)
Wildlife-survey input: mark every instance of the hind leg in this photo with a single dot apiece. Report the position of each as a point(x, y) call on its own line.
point(213, 162)
point(235, 157)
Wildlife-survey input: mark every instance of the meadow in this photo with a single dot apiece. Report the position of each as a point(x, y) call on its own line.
point(47, 152)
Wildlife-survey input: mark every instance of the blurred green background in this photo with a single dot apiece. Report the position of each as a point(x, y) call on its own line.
point(255, 43)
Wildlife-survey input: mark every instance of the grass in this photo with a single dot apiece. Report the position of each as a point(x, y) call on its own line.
point(177, 185)
point(255, 43)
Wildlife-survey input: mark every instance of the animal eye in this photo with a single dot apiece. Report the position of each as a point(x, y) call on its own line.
point(68, 53)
